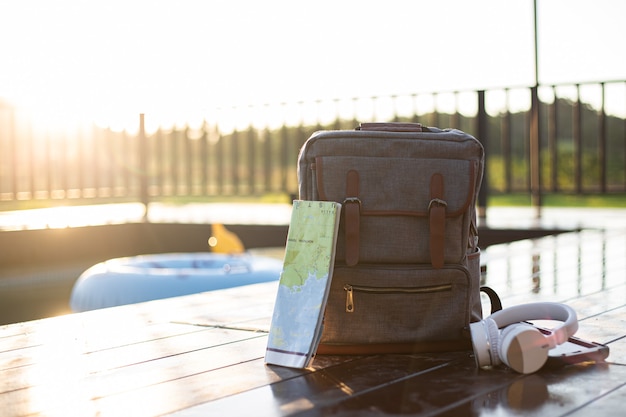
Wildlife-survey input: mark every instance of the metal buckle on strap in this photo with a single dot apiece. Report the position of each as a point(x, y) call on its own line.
point(437, 202)
point(350, 200)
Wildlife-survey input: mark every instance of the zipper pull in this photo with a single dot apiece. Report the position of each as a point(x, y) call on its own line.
point(349, 298)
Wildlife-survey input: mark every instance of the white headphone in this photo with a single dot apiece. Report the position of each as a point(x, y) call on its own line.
point(521, 346)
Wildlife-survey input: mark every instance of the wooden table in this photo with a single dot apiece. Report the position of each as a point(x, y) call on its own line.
point(202, 355)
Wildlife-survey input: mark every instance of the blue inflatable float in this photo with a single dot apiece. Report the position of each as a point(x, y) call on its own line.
point(150, 277)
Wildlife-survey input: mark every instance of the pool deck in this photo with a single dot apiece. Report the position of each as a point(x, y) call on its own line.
point(272, 214)
point(202, 355)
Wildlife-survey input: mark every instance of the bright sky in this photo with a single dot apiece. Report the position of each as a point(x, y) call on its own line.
point(177, 60)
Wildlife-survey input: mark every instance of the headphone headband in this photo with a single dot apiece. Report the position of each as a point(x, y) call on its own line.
point(541, 311)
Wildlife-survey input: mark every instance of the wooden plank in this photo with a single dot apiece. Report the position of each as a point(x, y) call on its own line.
point(233, 307)
point(545, 393)
point(80, 340)
point(206, 308)
point(462, 390)
point(61, 388)
point(454, 388)
point(332, 383)
point(88, 322)
point(114, 341)
point(126, 325)
point(608, 328)
point(604, 327)
point(134, 357)
point(195, 389)
point(610, 403)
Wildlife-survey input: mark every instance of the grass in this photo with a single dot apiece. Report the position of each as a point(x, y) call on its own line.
point(27, 204)
point(511, 200)
point(561, 200)
point(264, 198)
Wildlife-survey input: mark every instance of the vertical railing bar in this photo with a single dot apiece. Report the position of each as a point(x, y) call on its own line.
point(168, 164)
point(374, 108)
point(507, 135)
point(602, 156)
point(134, 159)
point(95, 160)
point(394, 108)
point(143, 166)
point(415, 118)
point(219, 163)
point(80, 163)
point(234, 161)
point(154, 182)
point(113, 166)
point(355, 116)
point(48, 167)
point(181, 151)
point(318, 123)
point(267, 160)
point(337, 122)
point(553, 134)
point(131, 146)
point(251, 171)
point(163, 162)
point(482, 128)
point(204, 161)
point(302, 135)
point(31, 162)
point(64, 165)
point(535, 150)
point(284, 155)
point(123, 145)
point(162, 177)
point(14, 153)
point(577, 134)
point(435, 113)
point(189, 163)
point(174, 162)
point(455, 118)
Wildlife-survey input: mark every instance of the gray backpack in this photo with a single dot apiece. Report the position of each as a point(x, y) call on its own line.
point(407, 269)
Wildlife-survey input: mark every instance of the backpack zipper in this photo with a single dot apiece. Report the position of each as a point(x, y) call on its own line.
point(350, 289)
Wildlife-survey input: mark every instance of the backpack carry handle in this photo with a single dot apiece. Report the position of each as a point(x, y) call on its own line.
point(392, 127)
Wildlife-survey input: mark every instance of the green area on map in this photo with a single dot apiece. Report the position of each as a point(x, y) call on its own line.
point(309, 243)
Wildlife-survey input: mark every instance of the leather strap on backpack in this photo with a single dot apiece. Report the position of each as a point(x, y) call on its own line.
point(494, 298)
point(352, 207)
point(437, 221)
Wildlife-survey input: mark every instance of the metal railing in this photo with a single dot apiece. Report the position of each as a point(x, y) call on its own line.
point(547, 139)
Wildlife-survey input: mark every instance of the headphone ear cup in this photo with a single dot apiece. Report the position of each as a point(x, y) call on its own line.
point(485, 335)
point(494, 341)
point(523, 348)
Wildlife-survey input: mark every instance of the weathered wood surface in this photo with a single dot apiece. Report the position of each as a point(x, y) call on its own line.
point(202, 355)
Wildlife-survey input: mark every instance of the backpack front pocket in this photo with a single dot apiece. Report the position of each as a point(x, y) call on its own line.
point(377, 304)
point(351, 289)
